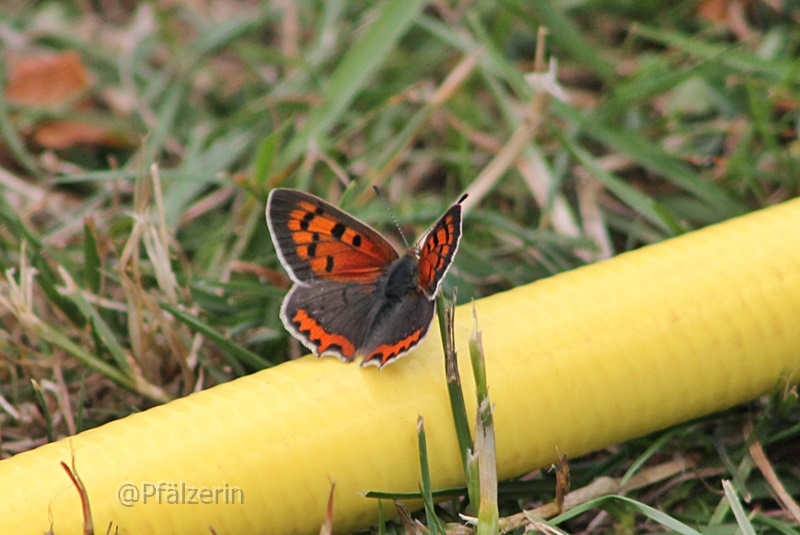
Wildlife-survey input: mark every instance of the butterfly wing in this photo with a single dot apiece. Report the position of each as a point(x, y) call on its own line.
point(330, 317)
point(316, 240)
point(398, 327)
point(339, 305)
point(438, 248)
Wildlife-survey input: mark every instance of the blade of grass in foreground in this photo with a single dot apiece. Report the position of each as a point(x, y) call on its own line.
point(738, 511)
point(327, 525)
point(381, 519)
point(611, 501)
point(651, 450)
point(441, 494)
point(434, 524)
point(485, 449)
point(80, 486)
point(445, 309)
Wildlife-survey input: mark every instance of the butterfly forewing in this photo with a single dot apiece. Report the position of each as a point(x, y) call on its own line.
point(437, 250)
point(316, 240)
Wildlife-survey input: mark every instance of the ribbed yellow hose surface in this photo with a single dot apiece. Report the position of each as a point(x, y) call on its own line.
point(575, 362)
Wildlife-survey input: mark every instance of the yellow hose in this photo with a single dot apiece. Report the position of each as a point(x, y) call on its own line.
point(575, 362)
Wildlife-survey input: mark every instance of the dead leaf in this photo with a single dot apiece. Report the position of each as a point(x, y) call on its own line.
point(67, 133)
point(44, 81)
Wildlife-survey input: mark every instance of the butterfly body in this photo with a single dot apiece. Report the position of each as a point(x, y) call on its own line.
point(353, 293)
point(401, 277)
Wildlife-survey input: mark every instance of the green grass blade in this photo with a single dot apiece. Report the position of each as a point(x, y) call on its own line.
point(91, 258)
point(40, 259)
point(642, 204)
point(445, 309)
point(648, 82)
point(777, 524)
point(565, 34)
point(485, 448)
point(50, 284)
point(136, 384)
point(228, 347)
point(656, 159)
point(360, 61)
point(212, 38)
point(434, 524)
point(610, 502)
point(265, 158)
point(651, 450)
point(777, 70)
point(167, 114)
point(381, 519)
point(739, 513)
point(202, 169)
point(41, 402)
point(99, 326)
point(79, 418)
point(11, 222)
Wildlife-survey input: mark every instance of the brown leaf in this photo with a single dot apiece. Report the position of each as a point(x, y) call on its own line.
point(713, 11)
point(66, 133)
point(47, 80)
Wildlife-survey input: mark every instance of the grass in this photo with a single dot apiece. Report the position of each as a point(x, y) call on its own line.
point(677, 116)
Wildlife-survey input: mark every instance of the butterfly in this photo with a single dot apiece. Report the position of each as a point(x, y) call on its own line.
point(353, 293)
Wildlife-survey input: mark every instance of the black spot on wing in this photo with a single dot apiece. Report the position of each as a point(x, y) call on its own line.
point(338, 231)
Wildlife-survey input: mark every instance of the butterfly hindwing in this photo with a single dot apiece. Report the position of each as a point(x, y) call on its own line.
point(402, 325)
point(331, 317)
point(316, 240)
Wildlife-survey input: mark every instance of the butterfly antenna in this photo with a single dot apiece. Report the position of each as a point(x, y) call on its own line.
point(389, 211)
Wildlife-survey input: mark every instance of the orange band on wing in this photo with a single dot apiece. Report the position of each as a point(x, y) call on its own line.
point(437, 252)
point(323, 341)
point(387, 352)
point(334, 248)
point(308, 220)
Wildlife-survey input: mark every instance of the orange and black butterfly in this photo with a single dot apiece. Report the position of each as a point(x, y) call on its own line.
point(354, 294)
